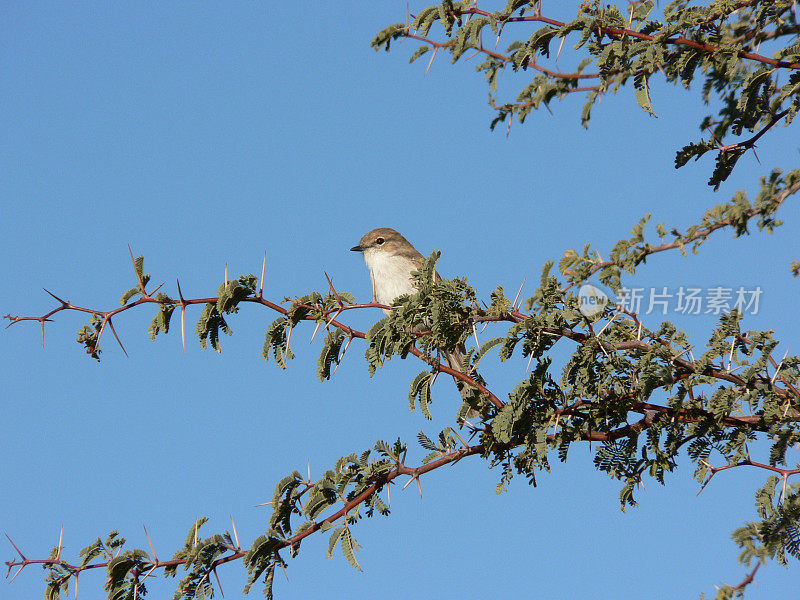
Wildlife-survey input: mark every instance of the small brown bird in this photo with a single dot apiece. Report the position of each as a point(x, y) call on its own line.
point(391, 258)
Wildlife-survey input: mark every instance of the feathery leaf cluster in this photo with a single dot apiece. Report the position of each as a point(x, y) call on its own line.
point(718, 44)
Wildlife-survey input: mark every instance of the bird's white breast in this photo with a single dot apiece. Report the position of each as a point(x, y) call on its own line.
point(391, 274)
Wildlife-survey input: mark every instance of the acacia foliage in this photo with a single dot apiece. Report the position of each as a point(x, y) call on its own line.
point(743, 55)
point(647, 395)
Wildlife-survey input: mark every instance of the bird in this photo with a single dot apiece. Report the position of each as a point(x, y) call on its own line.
point(391, 258)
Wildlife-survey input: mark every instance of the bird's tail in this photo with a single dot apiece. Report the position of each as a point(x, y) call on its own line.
point(455, 360)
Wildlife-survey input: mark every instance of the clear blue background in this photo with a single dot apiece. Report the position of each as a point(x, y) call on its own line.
point(203, 134)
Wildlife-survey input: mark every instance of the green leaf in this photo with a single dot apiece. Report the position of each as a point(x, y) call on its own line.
point(420, 390)
point(419, 52)
point(260, 560)
point(485, 348)
point(129, 294)
point(642, 10)
point(426, 442)
point(160, 322)
point(349, 546)
point(642, 87)
point(333, 540)
point(386, 36)
point(725, 163)
point(690, 151)
point(329, 354)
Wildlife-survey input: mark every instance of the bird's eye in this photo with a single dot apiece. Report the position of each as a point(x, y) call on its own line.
point(380, 241)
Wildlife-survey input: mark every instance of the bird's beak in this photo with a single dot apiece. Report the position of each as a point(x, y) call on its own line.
point(356, 249)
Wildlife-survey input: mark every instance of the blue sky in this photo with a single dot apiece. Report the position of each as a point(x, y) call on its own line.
point(204, 134)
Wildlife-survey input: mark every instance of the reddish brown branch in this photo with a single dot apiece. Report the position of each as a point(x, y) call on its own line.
point(748, 579)
point(784, 473)
point(515, 316)
point(236, 554)
point(148, 299)
point(775, 365)
point(400, 469)
point(502, 57)
point(512, 108)
point(650, 417)
point(700, 234)
point(619, 32)
point(459, 375)
point(718, 372)
point(751, 142)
